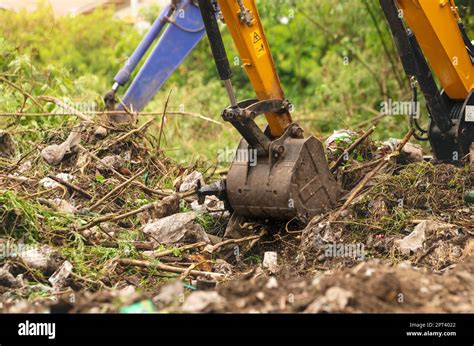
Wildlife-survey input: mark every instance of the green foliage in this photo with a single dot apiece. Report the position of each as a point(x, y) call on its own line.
point(17, 216)
point(94, 44)
point(22, 218)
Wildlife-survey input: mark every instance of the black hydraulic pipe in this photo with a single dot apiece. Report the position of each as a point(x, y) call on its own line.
point(414, 64)
point(217, 46)
point(215, 39)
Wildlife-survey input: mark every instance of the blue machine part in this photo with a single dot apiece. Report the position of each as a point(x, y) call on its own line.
point(182, 34)
point(123, 76)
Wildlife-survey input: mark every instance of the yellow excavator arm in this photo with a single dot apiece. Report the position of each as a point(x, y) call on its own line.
point(436, 25)
point(244, 24)
point(430, 37)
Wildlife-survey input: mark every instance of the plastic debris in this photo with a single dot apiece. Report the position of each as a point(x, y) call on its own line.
point(49, 183)
point(176, 228)
point(142, 307)
point(346, 136)
point(58, 279)
point(415, 240)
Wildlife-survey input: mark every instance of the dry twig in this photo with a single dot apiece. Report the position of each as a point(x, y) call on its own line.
point(117, 217)
point(71, 186)
point(117, 188)
point(168, 268)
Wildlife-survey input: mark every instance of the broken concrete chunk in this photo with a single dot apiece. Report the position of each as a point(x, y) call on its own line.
point(54, 154)
point(169, 206)
point(270, 261)
point(272, 283)
point(176, 228)
point(114, 161)
point(41, 257)
point(169, 294)
point(36, 257)
point(8, 280)
point(58, 279)
point(7, 147)
point(190, 181)
point(212, 205)
point(412, 152)
point(335, 300)
point(202, 301)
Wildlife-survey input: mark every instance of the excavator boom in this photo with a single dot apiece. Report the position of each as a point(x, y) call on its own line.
point(179, 28)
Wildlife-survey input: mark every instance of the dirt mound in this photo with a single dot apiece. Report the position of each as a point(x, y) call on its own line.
point(367, 287)
point(111, 225)
point(420, 196)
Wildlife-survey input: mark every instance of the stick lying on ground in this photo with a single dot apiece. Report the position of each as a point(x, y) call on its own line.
point(158, 254)
point(118, 217)
point(213, 248)
point(135, 130)
point(71, 186)
point(168, 268)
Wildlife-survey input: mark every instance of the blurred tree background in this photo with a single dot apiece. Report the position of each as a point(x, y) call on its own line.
point(336, 60)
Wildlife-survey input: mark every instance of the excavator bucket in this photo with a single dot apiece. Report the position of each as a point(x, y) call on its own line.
point(296, 183)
